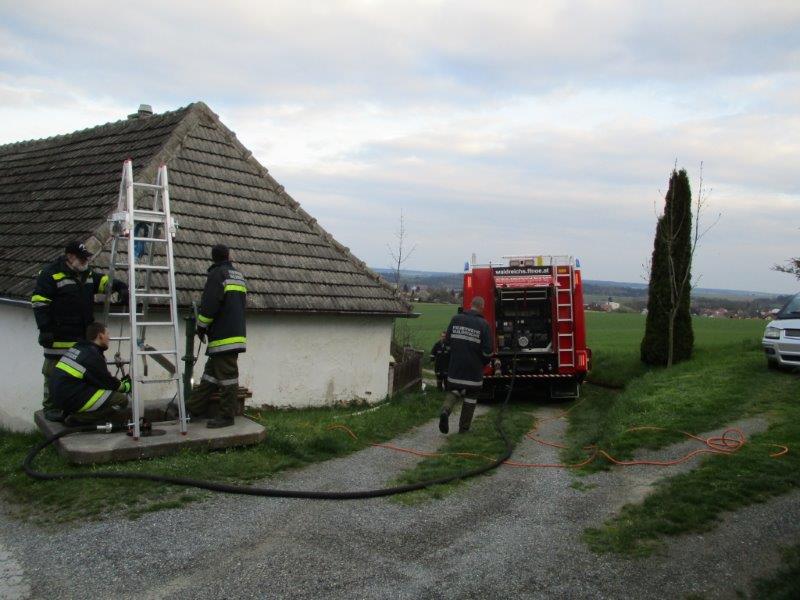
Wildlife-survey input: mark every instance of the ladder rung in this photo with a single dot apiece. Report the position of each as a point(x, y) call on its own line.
point(121, 362)
point(125, 314)
point(148, 185)
point(152, 295)
point(159, 380)
point(148, 239)
point(564, 305)
point(154, 324)
point(150, 218)
point(119, 339)
point(152, 267)
point(156, 352)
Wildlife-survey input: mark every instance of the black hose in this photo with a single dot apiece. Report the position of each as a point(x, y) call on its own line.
point(227, 488)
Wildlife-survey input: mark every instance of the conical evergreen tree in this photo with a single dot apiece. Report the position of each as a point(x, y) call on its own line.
point(670, 288)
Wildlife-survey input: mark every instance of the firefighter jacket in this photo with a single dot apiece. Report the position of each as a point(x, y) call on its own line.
point(63, 303)
point(222, 309)
point(81, 381)
point(440, 355)
point(470, 342)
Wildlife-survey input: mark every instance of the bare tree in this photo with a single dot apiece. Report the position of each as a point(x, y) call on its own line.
point(792, 267)
point(400, 252)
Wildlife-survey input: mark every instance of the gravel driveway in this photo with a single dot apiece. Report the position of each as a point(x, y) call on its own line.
point(513, 534)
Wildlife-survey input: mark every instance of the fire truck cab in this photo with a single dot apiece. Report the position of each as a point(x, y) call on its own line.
point(534, 306)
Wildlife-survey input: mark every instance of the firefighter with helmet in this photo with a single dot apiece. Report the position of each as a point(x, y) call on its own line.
point(471, 347)
point(222, 321)
point(83, 389)
point(63, 305)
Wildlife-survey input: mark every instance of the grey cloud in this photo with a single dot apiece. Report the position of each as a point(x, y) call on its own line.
point(323, 50)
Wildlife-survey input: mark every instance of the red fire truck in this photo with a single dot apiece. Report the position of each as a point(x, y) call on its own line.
point(534, 306)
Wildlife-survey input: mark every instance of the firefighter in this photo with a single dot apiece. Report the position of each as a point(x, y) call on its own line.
point(81, 386)
point(222, 321)
point(470, 341)
point(440, 356)
point(63, 304)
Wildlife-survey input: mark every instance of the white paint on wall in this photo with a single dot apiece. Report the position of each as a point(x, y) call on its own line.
point(312, 360)
point(291, 361)
point(20, 368)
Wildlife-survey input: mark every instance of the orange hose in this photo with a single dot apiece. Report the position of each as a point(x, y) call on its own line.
point(730, 442)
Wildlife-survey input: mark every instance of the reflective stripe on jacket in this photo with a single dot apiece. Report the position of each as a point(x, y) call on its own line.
point(81, 381)
point(222, 309)
point(470, 341)
point(63, 303)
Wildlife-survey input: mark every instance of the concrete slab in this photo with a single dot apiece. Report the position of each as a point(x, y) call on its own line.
point(93, 448)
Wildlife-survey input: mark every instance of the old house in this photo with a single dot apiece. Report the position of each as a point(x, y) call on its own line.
point(319, 322)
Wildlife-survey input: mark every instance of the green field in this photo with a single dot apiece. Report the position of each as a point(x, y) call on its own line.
point(614, 338)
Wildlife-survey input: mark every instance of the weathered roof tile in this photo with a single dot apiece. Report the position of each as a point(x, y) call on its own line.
point(60, 188)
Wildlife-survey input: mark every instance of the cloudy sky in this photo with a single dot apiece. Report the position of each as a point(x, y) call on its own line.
point(497, 127)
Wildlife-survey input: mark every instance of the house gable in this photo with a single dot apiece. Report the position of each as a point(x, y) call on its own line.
point(219, 194)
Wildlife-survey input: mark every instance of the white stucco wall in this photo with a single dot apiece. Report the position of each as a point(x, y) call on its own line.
point(291, 361)
point(307, 360)
point(20, 368)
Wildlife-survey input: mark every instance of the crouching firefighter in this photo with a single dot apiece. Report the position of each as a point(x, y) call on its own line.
point(82, 387)
point(63, 304)
point(222, 320)
point(470, 341)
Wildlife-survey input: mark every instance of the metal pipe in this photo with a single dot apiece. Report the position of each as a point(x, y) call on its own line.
point(189, 359)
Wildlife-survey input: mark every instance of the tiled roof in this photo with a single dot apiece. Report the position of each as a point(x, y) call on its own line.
point(65, 187)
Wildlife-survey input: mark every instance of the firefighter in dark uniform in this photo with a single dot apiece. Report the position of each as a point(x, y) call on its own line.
point(440, 355)
point(470, 341)
point(63, 304)
point(222, 320)
point(82, 387)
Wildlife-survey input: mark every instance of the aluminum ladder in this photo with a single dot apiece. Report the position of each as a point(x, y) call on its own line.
point(136, 228)
point(565, 324)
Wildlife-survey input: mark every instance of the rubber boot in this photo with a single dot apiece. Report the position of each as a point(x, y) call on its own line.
point(465, 418)
point(450, 401)
point(444, 421)
point(219, 422)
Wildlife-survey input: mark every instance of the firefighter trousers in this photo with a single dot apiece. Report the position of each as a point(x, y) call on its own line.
point(113, 410)
point(469, 400)
point(220, 374)
point(47, 371)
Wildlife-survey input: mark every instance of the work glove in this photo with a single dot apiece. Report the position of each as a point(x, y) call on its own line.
point(125, 385)
point(201, 333)
point(46, 339)
point(120, 296)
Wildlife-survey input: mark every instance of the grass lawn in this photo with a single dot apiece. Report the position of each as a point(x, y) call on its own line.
point(727, 379)
point(483, 439)
point(424, 331)
point(785, 584)
point(294, 438)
